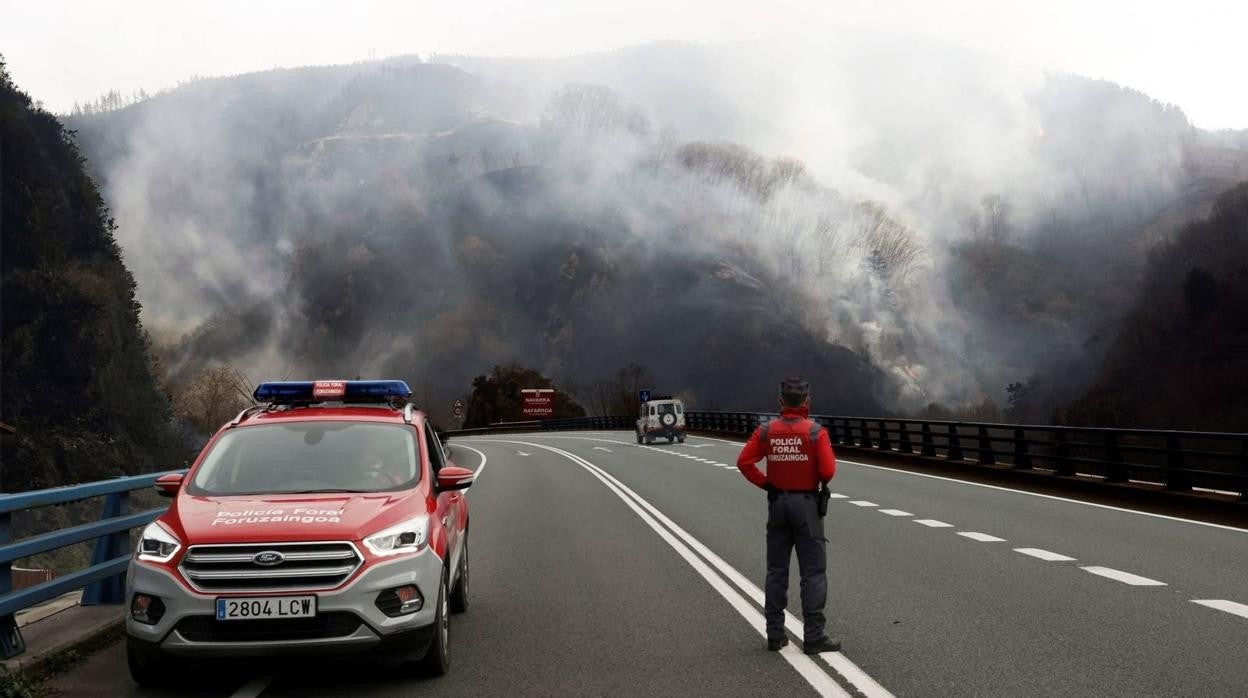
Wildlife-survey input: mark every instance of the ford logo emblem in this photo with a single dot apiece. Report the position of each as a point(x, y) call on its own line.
point(268, 558)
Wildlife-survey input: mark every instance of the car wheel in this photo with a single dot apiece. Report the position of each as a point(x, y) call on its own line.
point(459, 595)
point(639, 438)
point(437, 660)
point(671, 439)
point(146, 669)
point(681, 438)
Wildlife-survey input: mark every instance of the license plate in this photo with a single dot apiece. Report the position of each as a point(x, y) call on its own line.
point(266, 607)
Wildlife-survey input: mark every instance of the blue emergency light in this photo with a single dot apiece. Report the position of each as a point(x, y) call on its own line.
point(331, 391)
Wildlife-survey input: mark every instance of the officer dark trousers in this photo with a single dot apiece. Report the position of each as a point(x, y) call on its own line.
point(793, 519)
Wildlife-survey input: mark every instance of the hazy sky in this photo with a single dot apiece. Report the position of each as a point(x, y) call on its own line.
point(1189, 53)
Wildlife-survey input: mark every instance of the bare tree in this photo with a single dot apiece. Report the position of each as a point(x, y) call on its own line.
point(828, 243)
point(893, 251)
point(212, 398)
point(588, 108)
point(996, 220)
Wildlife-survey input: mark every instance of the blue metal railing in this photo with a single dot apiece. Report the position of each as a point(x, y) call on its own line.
point(103, 581)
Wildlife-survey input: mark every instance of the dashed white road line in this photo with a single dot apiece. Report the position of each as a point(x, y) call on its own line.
point(981, 537)
point(837, 495)
point(1044, 554)
point(1231, 607)
point(933, 523)
point(895, 512)
point(863, 503)
point(1237, 529)
point(1134, 580)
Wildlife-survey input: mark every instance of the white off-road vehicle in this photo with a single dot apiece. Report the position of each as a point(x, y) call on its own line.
point(660, 417)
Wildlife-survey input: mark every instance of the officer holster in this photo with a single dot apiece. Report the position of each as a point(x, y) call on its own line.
point(821, 500)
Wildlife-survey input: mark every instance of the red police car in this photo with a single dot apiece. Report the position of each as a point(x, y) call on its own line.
point(326, 520)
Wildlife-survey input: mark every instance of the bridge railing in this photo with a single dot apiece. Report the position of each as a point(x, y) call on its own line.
point(1179, 460)
point(103, 581)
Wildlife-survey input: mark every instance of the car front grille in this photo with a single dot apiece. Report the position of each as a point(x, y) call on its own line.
point(303, 566)
point(326, 625)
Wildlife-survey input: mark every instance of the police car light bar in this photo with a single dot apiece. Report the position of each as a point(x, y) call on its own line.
point(326, 391)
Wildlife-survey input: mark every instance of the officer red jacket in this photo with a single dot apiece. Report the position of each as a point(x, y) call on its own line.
point(794, 460)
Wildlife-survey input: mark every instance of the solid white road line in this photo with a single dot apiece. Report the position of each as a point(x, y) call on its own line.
point(805, 666)
point(480, 468)
point(895, 512)
point(1044, 554)
point(863, 503)
point(839, 460)
point(933, 523)
point(253, 688)
point(1134, 580)
point(1232, 607)
point(981, 537)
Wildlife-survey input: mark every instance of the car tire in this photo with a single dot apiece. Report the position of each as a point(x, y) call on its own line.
point(639, 438)
point(671, 439)
point(147, 670)
point(681, 438)
point(437, 659)
point(459, 595)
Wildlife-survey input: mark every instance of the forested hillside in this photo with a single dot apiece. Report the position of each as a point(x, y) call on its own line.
point(77, 375)
point(938, 233)
point(1180, 360)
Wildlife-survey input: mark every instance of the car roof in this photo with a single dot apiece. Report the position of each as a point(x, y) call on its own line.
point(341, 413)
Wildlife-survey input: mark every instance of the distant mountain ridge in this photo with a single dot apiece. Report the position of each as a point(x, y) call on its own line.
point(576, 214)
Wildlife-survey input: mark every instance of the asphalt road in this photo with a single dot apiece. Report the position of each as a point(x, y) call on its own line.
point(603, 567)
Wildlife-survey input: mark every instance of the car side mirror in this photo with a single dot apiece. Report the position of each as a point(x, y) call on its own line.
point(453, 477)
point(168, 485)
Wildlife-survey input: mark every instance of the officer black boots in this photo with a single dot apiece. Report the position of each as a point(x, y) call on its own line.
point(826, 644)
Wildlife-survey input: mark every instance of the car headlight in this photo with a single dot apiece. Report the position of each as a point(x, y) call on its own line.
point(407, 537)
point(157, 544)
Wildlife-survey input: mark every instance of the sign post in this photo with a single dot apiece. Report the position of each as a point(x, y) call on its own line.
point(643, 395)
point(539, 403)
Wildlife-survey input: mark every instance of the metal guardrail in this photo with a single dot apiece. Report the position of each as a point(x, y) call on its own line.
point(103, 581)
point(1178, 460)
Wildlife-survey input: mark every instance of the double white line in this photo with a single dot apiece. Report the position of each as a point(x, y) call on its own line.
point(718, 574)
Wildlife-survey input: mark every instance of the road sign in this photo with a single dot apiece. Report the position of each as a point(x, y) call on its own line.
point(643, 395)
point(457, 409)
point(538, 402)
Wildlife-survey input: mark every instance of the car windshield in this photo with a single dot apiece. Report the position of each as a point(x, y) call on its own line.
point(309, 457)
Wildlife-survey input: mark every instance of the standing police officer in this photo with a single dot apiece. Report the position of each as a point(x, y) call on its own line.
point(799, 460)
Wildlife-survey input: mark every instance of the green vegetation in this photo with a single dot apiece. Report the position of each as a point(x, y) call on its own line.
point(78, 381)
